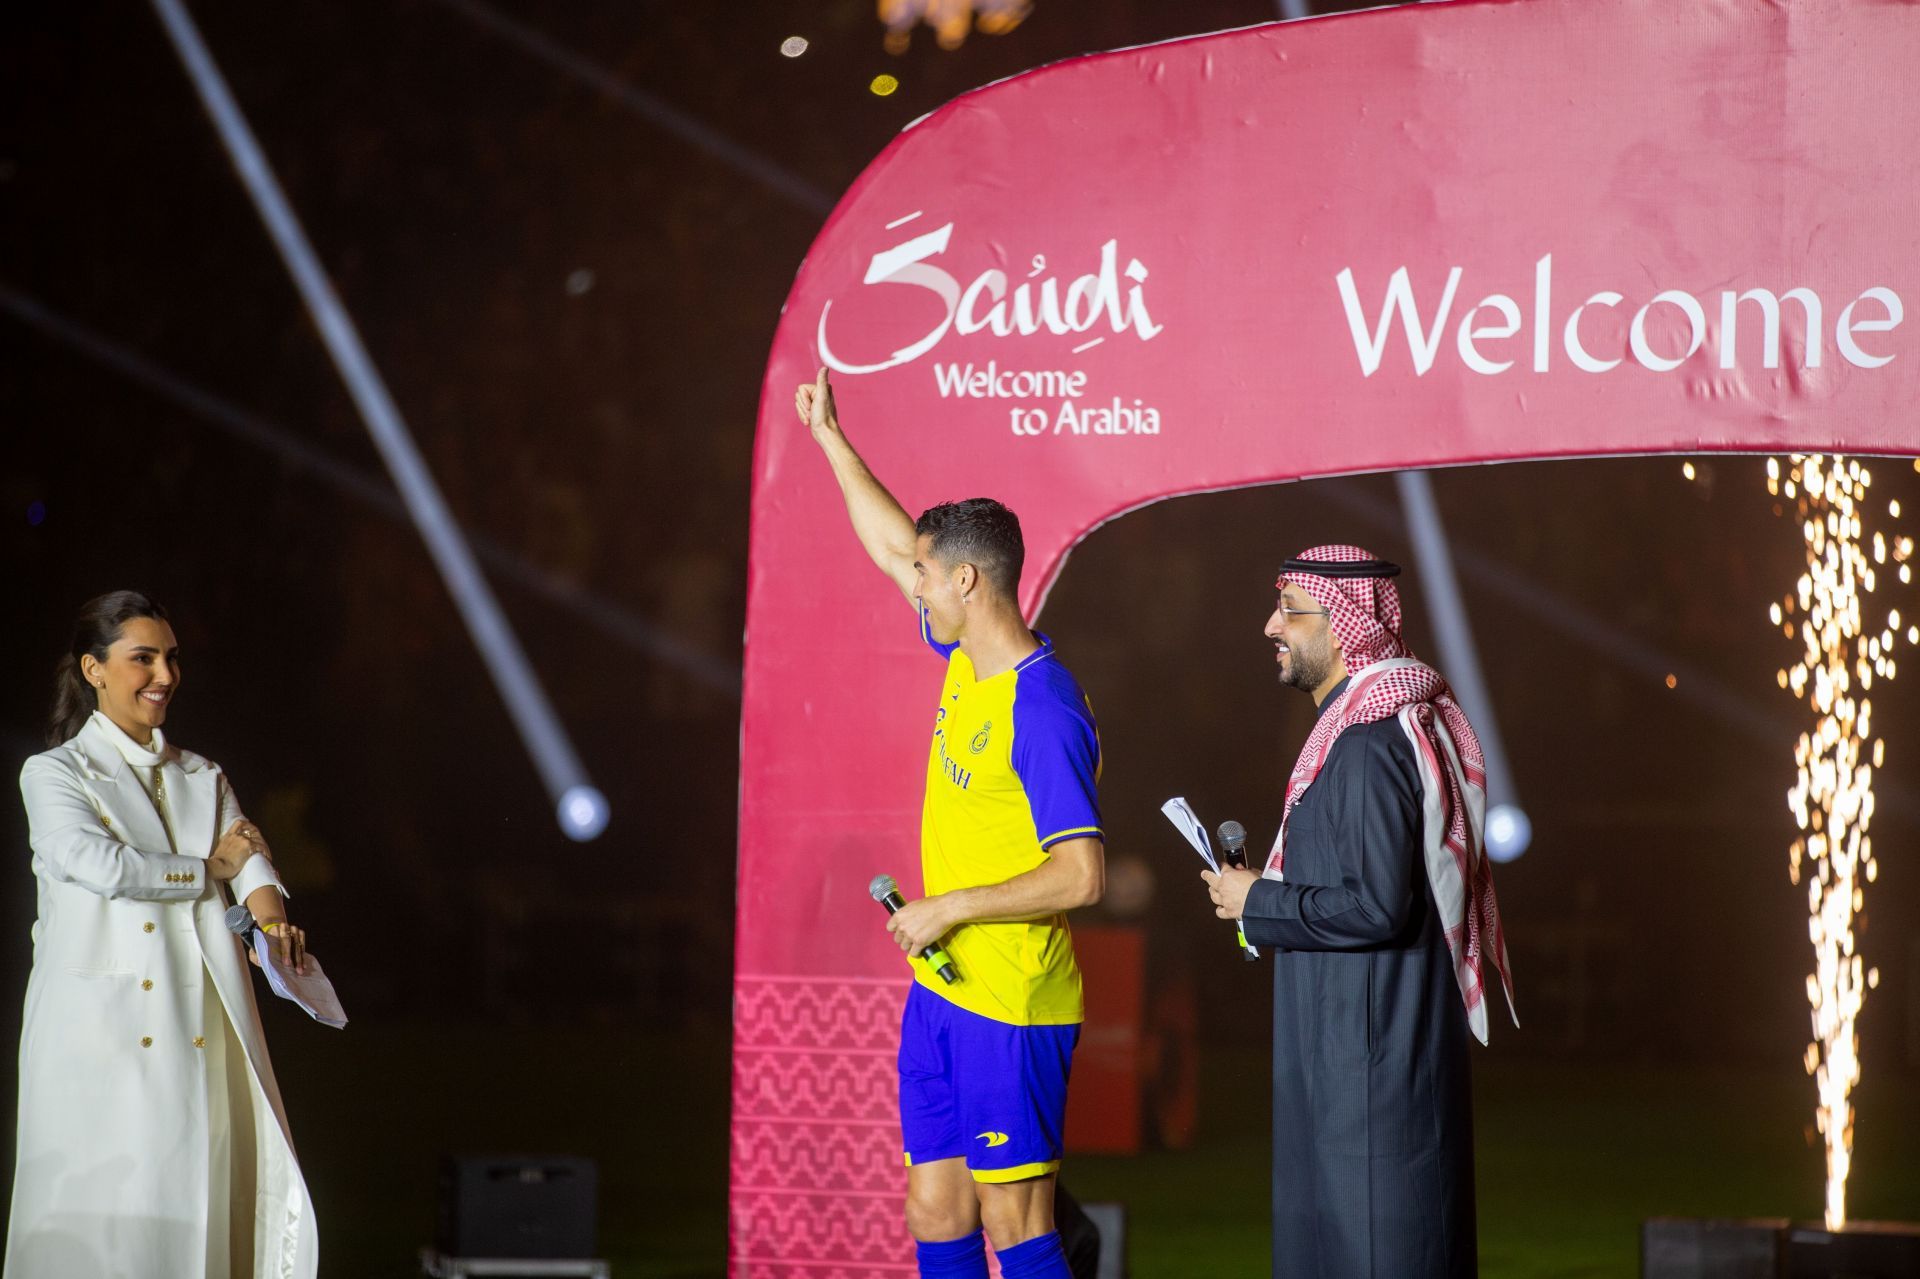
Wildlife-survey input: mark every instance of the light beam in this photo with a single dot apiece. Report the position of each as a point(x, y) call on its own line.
point(580, 809)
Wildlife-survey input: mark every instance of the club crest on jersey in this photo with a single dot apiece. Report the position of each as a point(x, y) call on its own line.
point(979, 742)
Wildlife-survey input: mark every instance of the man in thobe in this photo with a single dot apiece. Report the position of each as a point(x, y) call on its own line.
point(1378, 903)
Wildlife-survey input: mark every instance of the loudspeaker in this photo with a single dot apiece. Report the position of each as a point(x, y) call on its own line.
point(1858, 1250)
point(519, 1206)
point(1690, 1248)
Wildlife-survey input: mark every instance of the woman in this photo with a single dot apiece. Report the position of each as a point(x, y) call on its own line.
point(152, 1139)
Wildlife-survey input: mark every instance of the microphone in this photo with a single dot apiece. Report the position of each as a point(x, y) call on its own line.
point(887, 893)
point(239, 920)
point(1233, 851)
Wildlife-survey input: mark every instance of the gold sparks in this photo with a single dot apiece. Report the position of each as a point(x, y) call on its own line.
point(1832, 799)
point(951, 20)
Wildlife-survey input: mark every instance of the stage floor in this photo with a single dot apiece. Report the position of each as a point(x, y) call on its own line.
point(1572, 1156)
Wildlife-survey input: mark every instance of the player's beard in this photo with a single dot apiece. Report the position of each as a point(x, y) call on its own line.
point(1308, 663)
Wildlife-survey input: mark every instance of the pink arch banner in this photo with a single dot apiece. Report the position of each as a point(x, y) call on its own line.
point(1445, 234)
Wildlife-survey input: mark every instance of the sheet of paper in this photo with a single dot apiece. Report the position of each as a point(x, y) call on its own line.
point(312, 991)
point(1188, 823)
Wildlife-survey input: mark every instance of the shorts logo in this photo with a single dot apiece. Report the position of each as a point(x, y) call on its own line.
point(979, 742)
point(993, 1138)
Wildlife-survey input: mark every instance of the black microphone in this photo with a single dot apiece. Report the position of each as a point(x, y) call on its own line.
point(887, 893)
point(1233, 851)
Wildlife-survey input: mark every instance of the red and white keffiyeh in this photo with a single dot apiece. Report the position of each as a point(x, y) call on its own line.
point(1386, 680)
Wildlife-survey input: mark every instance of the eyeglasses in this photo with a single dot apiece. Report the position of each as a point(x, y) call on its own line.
point(1284, 611)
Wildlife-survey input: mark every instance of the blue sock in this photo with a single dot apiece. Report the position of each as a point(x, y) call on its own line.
point(964, 1258)
point(1040, 1257)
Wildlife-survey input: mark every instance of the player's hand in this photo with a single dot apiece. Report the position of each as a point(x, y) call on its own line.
point(815, 405)
point(1229, 890)
point(917, 925)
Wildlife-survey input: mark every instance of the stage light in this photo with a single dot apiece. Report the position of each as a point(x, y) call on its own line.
point(1509, 832)
point(793, 46)
point(883, 85)
point(583, 813)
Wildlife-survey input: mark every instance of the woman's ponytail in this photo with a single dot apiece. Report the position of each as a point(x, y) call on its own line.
point(94, 631)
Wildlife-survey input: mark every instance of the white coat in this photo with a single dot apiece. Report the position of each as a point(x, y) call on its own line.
point(111, 1180)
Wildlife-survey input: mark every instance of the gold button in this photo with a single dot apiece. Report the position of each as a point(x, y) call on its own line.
point(147, 927)
point(199, 1041)
point(147, 984)
point(146, 1041)
point(189, 877)
point(107, 822)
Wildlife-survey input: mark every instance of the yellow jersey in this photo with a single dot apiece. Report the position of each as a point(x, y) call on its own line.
point(1014, 769)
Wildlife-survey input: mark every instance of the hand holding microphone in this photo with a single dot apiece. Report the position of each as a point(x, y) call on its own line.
point(291, 942)
point(884, 890)
point(1233, 851)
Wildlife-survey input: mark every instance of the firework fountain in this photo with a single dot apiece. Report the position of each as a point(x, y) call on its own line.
point(1832, 798)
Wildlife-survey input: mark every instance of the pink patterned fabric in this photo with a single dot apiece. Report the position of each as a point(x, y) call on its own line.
point(817, 1188)
point(1386, 680)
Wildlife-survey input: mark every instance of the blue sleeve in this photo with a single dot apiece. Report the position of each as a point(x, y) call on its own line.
point(1056, 754)
point(945, 650)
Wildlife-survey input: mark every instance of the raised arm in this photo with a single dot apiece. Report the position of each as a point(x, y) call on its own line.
point(881, 523)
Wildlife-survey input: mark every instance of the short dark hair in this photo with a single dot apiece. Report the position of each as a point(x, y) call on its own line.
point(980, 532)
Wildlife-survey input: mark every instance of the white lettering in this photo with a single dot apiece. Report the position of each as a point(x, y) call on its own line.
point(964, 381)
point(1769, 325)
point(1576, 352)
point(1469, 354)
point(1373, 334)
point(1420, 345)
point(1542, 310)
point(1107, 419)
point(1844, 330)
point(994, 282)
point(983, 304)
point(903, 264)
point(1637, 332)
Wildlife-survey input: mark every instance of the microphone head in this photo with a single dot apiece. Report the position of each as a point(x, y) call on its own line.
point(1233, 835)
point(882, 888)
point(239, 919)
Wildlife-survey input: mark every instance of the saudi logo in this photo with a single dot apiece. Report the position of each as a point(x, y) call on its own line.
point(979, 742)
point(993, 1138)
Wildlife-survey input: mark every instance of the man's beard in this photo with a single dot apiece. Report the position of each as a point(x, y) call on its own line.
point(1307, 669)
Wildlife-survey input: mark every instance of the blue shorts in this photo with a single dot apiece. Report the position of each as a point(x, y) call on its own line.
point(981, 1090)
